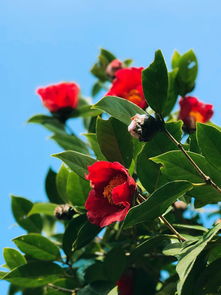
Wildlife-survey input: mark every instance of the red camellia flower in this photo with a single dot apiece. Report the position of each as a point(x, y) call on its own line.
point(112, 193)
point(59, 96)
point(128, 84)
point(192, 110)
point(125, 283)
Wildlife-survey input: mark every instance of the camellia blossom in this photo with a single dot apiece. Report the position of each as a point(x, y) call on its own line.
point(114, 66)
point(112, 192)
point(125, 284)
point(128, 84)
point(59, 96)
point(192, 110)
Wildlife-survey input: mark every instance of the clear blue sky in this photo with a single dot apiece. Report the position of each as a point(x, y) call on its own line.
point(47, 41)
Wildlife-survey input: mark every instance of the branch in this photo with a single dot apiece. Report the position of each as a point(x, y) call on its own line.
point(73, 292)
point(205, 177)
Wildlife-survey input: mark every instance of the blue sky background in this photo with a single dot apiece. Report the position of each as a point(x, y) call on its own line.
point(48, 41)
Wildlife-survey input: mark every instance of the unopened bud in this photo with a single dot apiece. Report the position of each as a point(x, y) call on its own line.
point(113, 66)
point(144, 127)
point(64, 212)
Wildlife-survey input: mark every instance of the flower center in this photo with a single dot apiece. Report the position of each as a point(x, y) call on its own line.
point(134, 96)
point(116, 180)
point(197, 116)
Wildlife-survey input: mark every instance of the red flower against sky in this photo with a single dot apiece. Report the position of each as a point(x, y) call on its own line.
point(192, 110)
point(125, 283)
point(58, 96)
point(128, 84)
point(111, 195)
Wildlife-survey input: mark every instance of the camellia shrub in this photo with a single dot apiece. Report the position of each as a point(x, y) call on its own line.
point(123, 214)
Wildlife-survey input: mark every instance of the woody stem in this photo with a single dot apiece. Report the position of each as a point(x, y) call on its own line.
point(61, 289)
point(166, 222)
point(205, 177)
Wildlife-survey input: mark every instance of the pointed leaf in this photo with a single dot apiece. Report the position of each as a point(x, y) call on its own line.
point(155, 83)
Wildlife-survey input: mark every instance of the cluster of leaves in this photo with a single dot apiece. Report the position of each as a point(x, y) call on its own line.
point(78, 257)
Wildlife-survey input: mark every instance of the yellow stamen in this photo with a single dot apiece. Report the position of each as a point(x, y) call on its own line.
point(133, 96)
point(117, 180)
point(197, 116)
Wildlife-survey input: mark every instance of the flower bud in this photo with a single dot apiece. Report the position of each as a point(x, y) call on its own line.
point(113, 67)
point(64, 212)
point(144, 127)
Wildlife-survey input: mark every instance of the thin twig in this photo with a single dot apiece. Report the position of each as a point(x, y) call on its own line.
point(205, 177)
point(166, 222)
point(62, 289)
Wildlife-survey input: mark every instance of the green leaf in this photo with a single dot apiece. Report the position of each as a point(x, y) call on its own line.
point(109, 56)
point(119, 108)
point(35, 274)
point(77, 189)
point(155, 83)
point(20, 209)
point(92, 138)
point(51, 188)
point(172, 93)
point(42, 208)
point(96, 88)
point(116, 260)
point(149, 172)
point(86, 234)
point(209, 140)
point(61, 182)
point(72, 188)
point(190, 255)
point(71, 232)
point(188, 68)
point(97, 288)
point(147, 246)
point(13, 258)
point(177, 167)
point(49, 122)
point(115, 141)
point(37, 247)
point(76, 161)
point(175, 59)
point(70, 142)
point(157, 203)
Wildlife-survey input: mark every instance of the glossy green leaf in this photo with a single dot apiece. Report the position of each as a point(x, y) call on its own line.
point(119, 108)
point(86, 234)
point(70, 142)
point(37, 246)
point(49, 122)
point(43, 208)
point(188, 68)
point(92, 138)
point(35, 274)
point(72, 188)
point(51, 188)
point(177, 167)
point(13, 258)
point(20, 209)
point(76, 161)
point(190, 254)
point(175, 59)
point(61, 182)
point(157, 203)
point(97, 288)
point(155, 83)
point(209, 140)
point(149, 172)
point(115, 141)
point(172, 93)
point(71, 232)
